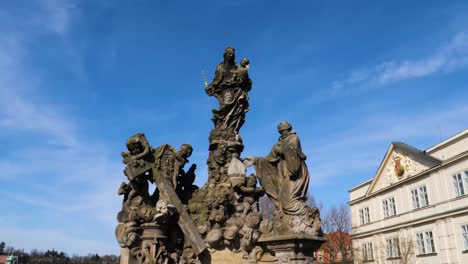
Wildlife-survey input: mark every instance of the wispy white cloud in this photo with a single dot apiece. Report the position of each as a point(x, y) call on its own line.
point(451, 56)
point(66, 173)
point(17, 82)
point(352, 152)
point(20, 114)
point(57, 16)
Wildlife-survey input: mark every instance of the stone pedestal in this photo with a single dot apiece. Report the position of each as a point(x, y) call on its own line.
point(126, 258)
point(290, 248)
point(227, 256)
point(152, 237)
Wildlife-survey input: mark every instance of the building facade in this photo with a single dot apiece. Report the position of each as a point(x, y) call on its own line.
point(415, 209)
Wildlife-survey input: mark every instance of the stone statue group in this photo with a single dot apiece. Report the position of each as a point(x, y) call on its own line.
point(182, 223)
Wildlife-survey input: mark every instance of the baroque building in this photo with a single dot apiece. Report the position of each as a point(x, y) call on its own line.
point(415, 208)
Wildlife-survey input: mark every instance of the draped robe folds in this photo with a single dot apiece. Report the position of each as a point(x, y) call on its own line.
point(230, 86)
point(284, 175)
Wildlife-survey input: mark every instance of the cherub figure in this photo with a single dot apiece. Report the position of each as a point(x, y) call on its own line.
point(233, 225)
point(163, 211)
point(138, 147)
point(136, 187)
point(250, 194)
point(137, 160)
point(242, 71)
point(217, 214)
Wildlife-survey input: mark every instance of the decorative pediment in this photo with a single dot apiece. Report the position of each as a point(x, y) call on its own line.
point(400, 162)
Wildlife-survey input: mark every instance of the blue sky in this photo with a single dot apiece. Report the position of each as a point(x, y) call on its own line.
point(78, 77)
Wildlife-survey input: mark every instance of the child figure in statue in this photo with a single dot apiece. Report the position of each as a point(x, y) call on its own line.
point(250, 194)
point(242, 71)
point(136, 159)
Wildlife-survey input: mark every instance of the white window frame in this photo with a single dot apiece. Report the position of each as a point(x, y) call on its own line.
point(465, 235)
point(420, 197)
point(424, 197)
point(393, 247)
point(367, 251)
point(389, 207)
point(364, 215)
point(415, 198)
point(460, 183)
point(425, 242)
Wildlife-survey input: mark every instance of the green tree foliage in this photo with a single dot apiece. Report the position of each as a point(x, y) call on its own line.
point(55, 257)
point(2, 248)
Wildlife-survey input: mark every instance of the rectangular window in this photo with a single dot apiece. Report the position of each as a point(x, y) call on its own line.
point(415, 198)
point(423, 196)
point(392, 206)
point(364, 215)
point(393, 247)
point(420, 243)
point(465, 235)
point(385, 208)
point(458, 184)
point(367, 251)
point(425, 242)
point(361, 216)
point(389, 207)
point(419, 197)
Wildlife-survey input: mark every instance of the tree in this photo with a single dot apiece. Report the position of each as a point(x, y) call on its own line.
point(404, 250)
point(34, 253)
point(9, 250)
point(331, 250)
point(54, 256)
point(336, 223)
point(405, 253)
point(267, 208)
point(2, 248)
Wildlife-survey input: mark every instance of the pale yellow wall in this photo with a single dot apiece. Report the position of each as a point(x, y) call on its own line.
point(450, 149)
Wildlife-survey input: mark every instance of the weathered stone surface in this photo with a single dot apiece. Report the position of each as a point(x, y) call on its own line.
point(220, 222)
point(290, 248)
point(285, 177)
point(144, 227)
point(230, 86)
point(227, 256)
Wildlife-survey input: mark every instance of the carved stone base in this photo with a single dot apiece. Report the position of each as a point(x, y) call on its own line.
point(290, 248)
point(151, 246)
point(126, 258)
point(227, 256)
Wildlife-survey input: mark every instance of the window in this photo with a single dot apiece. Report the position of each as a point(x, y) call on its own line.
point(364, 215)
point(367, 251)
point(339, 256)
point(425, 243)
point(389, 207)
point(465, 235)
point(460, 183)
point(419, 197)
point(393, 247)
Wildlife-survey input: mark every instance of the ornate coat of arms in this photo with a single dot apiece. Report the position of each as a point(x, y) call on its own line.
point(399, 168)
